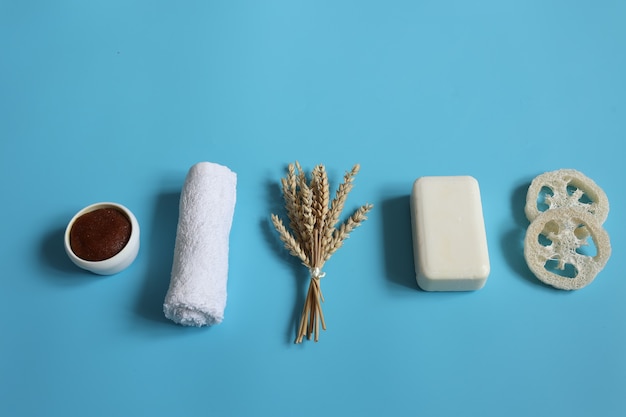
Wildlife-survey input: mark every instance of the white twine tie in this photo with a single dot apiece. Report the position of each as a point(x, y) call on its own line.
point(316, 273)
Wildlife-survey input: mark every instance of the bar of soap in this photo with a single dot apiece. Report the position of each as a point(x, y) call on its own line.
point(449, 239)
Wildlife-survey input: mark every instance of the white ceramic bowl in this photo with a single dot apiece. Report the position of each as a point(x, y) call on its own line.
point(118, 262)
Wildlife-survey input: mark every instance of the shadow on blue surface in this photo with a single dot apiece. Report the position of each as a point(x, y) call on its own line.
point(159, 250)
point(398, 241)
point(512, 241)
point(63, 271)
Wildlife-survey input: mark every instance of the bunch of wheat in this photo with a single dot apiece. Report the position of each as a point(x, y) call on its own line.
point(314, 236)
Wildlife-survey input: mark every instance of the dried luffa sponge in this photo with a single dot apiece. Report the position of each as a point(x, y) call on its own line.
point(554, 240)
point(566, 210)
point(566, 188)
point(315, 233)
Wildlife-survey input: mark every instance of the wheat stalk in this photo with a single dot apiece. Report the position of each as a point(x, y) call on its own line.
point(314, 236)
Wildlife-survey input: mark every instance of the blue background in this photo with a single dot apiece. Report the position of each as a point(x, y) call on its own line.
point(115, 100)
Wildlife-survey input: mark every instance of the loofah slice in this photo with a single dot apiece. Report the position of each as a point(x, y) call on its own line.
point(567, 188)
point(554, 237)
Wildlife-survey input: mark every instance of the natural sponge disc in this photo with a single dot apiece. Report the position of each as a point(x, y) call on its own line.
point(566, 188)
point(554, 237)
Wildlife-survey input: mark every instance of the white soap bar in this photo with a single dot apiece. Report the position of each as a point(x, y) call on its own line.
point(449, 239)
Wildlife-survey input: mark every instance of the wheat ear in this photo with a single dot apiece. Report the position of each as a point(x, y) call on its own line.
point(336, 206)
point(343, 232)
point(291, 206)
point(289, 240)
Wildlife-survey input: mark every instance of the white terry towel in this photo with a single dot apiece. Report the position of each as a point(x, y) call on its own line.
point(197, 291)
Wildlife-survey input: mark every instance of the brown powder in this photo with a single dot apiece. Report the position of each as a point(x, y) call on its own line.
point(100, 234)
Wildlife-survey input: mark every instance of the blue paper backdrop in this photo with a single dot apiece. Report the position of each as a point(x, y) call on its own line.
point(115, 100)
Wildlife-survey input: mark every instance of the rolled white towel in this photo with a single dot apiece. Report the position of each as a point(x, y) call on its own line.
point(197, 291)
